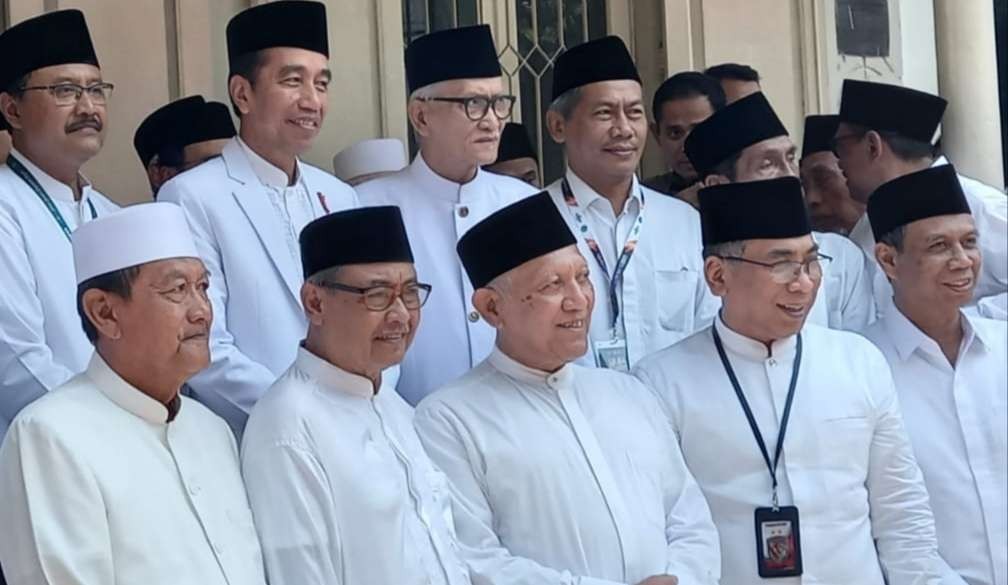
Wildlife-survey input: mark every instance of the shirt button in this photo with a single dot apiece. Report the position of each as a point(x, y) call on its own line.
point(473, 317)
point(772, 362)
point(463, 211)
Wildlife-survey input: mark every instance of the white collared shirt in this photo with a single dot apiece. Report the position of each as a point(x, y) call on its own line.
point(97, 487)
point(292, 202)
point(664, 296)
point(957, 419)
point(452, 337)
point(568, 478)
point(846, 464)
point(341, 489)
point(42, 344)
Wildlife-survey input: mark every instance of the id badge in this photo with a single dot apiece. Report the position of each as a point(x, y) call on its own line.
point(778, 542)
point(612, 354)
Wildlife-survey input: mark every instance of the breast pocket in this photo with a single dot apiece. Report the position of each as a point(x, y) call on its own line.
point(676, 294)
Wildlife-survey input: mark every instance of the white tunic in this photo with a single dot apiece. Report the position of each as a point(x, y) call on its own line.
point(452, 338)
point(566, 478)
point(847, 464)
point(42, 344)
point(341, 489)
point(989, 208)
point(245, 221)
point(98, 489)
point(664, 296)
point(957, 419)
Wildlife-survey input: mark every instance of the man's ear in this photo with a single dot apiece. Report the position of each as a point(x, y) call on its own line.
point(488, 301)
point(714, 179)
point(715, 275)
point(875, 144)
point(886, 257)
point(556, 125)
point(100, 308)
point(9, 110)
point(417, 112)
point(240, 90)
point(313, 302)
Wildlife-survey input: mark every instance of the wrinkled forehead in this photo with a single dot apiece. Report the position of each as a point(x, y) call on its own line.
point(377, 273)
point(561, 261)
point(80, 73)
point(953, 226)
point(469, 87)
point(778, 145)
point(170, 268)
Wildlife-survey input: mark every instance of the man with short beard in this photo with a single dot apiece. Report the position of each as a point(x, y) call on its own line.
point(53, 101)
point(457, 107)
point(247, 207)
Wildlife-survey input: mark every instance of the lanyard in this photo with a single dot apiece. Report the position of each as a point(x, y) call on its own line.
point(616, 279)
point(26, 176)
point(748, 412)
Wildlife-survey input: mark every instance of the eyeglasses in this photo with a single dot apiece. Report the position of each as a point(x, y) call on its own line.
point(477, 107)
point(380, 298)
point(788, 271)
point(68, 94)
point(835, 142)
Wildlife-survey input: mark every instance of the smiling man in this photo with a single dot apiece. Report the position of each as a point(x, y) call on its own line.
point(561, 474)
point(457, 108)
point(949, 366)
point(53, 101)
point(642, 245)
point(114, 477)
point(791, 429)
point(247, 207)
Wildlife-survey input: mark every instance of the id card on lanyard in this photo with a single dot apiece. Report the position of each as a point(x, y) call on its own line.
point(778, 536)
point(613, 352)
point(26, 176)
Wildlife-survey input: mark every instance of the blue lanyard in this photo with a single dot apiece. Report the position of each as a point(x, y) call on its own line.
point(585, 231)
point(26, 176)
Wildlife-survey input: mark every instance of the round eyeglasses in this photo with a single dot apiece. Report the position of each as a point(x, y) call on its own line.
point(380, 298)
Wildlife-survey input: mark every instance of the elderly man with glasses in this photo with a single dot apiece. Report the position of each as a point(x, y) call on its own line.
point(53, 101)
point(457, 109)
point(341, 489)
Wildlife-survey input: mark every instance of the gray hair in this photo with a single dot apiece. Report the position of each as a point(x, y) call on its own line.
point(427, 91)
point(323, 276)
point(565, 103)
point(894, 238)
point(736, 248)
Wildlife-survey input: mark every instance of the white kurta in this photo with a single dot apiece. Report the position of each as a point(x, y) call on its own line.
point(97, 489)
point(845, 300)
point(42, 344)
point(957, 419)
point(570, 478)
point(989, 208)
point(341, 489)
point(245, 221)
point(452, 337)
point(847, 464)
point(664, 296)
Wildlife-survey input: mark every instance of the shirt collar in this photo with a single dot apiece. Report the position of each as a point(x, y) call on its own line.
point(511, 368)
point(941, 160)
point(268, 173)
point(861, 234)
point(55, 189)
point(436, 184)
point(332, 376)
point(128, 397)
point(586, 196)
point(748, 348)
point(908, 338)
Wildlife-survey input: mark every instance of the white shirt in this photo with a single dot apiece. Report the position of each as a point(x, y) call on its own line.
point(42, 344)
point(242, 218)
point(847, 464)
point(570, 478)
point(664, 296)
point(97, 488)
point(994, 307)
point(845, 300)
point(452, 337)
point(341, 488)
point(989, 207)
point(957, 419)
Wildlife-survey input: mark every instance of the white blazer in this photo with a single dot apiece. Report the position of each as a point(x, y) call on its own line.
point(255, 284)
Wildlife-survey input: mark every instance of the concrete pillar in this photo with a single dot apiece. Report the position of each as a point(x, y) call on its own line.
point(967, 78)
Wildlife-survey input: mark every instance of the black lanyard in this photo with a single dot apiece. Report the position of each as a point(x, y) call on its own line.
point(772, 466)
point(26, 176)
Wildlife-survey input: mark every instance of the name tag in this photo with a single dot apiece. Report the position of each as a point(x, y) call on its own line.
point(778, 542)
point(612, 354)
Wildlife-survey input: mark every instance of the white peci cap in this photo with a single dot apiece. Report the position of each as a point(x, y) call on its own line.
point(129, 237)
point(370, 156)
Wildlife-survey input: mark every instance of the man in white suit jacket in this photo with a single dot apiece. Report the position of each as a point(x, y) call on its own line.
point(246, 208)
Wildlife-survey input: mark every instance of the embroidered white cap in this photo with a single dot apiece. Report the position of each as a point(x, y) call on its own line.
point(129, 237)
point(366, 157)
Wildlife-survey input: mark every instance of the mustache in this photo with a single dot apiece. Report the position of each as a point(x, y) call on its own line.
point(88, 122)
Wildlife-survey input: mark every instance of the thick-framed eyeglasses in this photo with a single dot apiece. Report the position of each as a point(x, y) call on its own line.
point(380, 298)
point(838, 140)
point(477, 107)
point(788, 271)
point(68, 94)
